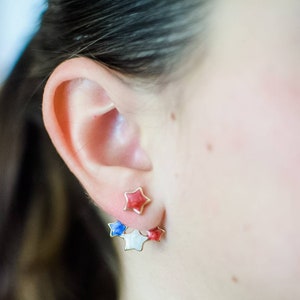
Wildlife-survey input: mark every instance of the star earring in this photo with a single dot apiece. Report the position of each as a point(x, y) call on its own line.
point(135, 201)
point(134, 240)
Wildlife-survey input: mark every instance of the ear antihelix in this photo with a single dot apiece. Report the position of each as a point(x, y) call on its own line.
point(95, 130)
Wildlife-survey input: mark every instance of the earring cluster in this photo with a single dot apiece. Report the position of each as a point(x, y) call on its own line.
point(134, 240)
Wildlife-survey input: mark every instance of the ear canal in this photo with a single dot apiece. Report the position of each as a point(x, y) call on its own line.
point(116, 141)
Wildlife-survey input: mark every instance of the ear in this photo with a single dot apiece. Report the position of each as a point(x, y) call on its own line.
point(91, 117)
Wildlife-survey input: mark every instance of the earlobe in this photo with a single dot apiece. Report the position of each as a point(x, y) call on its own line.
point(82, 110)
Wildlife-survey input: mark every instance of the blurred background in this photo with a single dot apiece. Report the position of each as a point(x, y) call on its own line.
point(19, 20)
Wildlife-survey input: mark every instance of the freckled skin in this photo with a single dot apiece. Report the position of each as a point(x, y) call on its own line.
point(173, 116)
point(209, 147)
point(234, 279)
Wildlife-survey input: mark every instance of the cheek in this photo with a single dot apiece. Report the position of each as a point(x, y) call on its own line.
point(243, 174)
point(263, 130)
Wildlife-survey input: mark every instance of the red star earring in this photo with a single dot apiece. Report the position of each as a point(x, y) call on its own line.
point(136, 201)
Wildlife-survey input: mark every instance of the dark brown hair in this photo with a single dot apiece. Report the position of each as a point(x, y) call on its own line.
point(53, 244)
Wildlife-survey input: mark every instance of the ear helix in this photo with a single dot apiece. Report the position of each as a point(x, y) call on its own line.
point(135, 201)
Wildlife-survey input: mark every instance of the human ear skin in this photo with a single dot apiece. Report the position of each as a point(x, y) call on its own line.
point(100, 141)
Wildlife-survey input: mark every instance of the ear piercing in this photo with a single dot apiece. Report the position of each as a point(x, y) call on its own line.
point(134, 240)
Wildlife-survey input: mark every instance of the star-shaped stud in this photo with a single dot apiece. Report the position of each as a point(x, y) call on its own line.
point(134, 240)
point(117, 228)
point(136, 200)
point(155, 234)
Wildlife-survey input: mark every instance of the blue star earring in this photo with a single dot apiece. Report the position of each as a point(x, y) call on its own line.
point(116, 228)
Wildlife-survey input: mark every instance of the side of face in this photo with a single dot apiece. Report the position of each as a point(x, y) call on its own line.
point(231, 158)
point(218, 151)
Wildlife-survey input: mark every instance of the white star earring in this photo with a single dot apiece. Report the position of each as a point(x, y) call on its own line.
point(134, 240)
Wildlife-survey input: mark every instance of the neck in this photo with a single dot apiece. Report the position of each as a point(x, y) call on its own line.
point(157, 273)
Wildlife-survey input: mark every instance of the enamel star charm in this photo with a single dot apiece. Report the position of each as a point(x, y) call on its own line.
point(155, 234)
point(136, 201)
point(134, 240)
point(117, 228)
